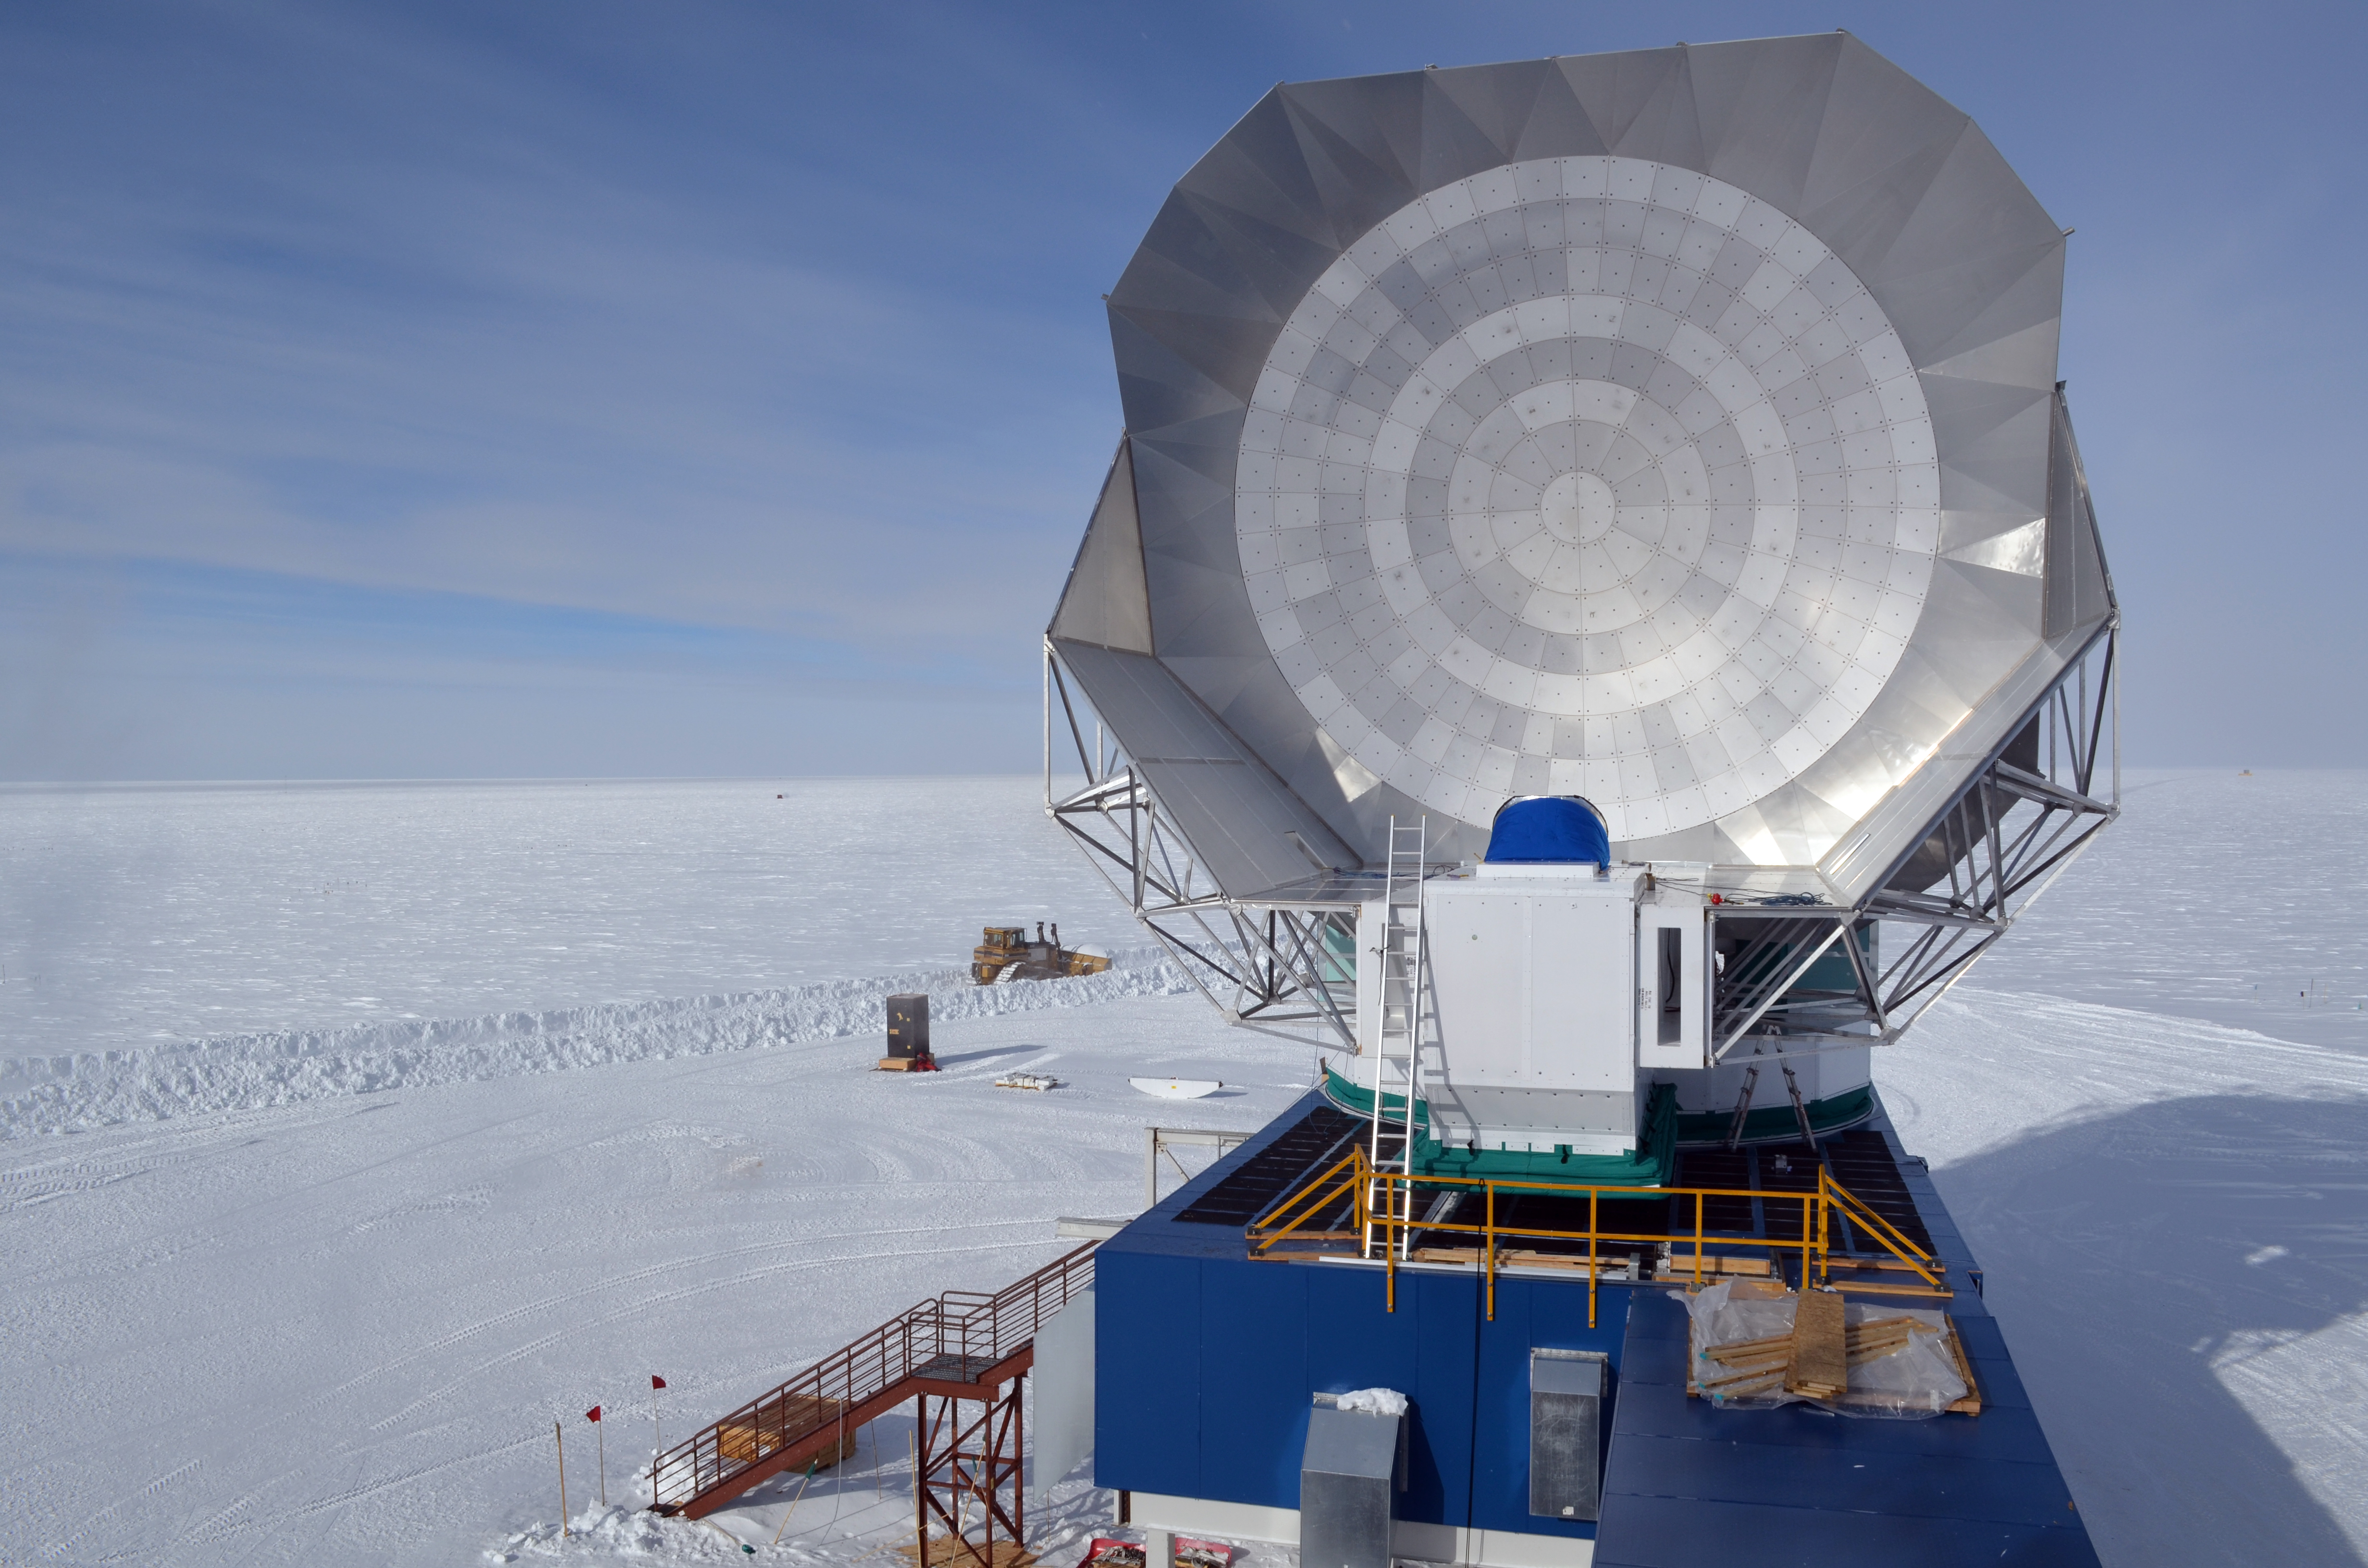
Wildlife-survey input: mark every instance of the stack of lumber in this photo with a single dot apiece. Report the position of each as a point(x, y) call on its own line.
point(1819, 1368)
point(797, 1413)
point(1885, 1277)
point(1814, 1359)
point(1680, 1265)
point(1610, 1266)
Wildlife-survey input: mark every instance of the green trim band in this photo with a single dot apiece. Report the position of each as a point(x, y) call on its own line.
point(1776, 1123)
point(1650, 1166)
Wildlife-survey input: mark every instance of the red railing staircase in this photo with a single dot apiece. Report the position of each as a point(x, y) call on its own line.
point(963, 1344)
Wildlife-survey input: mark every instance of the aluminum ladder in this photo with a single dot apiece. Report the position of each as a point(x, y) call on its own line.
point(1397, 1041)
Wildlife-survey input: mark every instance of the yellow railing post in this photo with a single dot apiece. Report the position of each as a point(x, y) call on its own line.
point(1404, 1232)
point(1825, 1227)
point(1489, 1251)
point(1808, 1241)
point(1698, 1240)
point(1593, 1194)
point(1364, 1215)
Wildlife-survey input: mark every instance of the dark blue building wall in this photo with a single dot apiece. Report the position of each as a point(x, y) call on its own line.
point(1549, 1314)
point(1206, 1364)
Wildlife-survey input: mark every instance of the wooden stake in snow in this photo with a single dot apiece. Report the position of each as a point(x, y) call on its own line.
point(563, 1479)
point(810, 1467)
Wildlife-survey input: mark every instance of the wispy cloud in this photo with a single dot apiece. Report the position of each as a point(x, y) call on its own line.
point(781, 322)
point(461, 339)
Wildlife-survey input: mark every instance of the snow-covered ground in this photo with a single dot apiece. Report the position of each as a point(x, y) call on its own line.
point(2221, 896)
point(2172, 1217)
point(339, 1331)
point(147, 915)
point(369, 1193)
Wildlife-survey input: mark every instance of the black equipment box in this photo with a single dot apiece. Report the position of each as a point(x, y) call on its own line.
point(908, 1027)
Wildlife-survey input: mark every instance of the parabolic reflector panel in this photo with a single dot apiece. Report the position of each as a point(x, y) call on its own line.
point(1673, 428)
point(1610, 457)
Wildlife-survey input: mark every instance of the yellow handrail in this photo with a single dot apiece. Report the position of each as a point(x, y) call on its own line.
point(1316, 1204)
point(1880, 1229)
point(1383, 1209)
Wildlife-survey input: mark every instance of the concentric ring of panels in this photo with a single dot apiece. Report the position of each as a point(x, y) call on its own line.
point(1672, 428)
point(1588, 476)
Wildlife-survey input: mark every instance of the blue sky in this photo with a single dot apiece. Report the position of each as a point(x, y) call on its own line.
point(584, 389)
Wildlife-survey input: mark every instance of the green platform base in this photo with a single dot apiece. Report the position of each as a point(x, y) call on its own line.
point(1665, 1127)
point(1776, 1123)
point(1649, 1165)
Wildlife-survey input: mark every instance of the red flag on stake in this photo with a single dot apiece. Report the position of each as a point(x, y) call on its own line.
point(593, 1416)
point(658, 1439)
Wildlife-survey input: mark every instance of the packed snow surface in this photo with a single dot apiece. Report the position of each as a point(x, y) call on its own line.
point(2221, 896)
point(138, 915)
point(1372, 1401)
point(318, 1207)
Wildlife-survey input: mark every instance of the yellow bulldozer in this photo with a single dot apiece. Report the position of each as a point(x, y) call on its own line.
point(1007, 954)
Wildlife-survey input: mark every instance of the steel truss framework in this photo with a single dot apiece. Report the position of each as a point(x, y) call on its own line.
point(1282, 964)
point(1280, 967)
point(968, 1480)
point(2009, 832)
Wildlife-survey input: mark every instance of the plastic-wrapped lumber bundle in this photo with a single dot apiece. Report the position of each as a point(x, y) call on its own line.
point(1757, 1346)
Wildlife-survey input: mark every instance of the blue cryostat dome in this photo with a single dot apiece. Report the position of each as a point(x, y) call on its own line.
point(1548, 830)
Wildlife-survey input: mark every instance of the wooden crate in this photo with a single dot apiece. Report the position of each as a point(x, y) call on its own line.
point(745, 1443)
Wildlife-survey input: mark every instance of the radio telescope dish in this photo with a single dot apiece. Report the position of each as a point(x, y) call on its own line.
point(1678, 430)
point(1631, 486)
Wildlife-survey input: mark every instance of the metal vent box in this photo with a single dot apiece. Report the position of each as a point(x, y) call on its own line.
point(1566, 1433)
point(1347, 1479)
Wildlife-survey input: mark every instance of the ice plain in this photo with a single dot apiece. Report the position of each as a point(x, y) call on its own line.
point(351, 1137)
